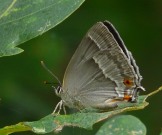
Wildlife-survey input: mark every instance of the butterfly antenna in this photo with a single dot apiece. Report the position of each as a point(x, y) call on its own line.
point(45, 67)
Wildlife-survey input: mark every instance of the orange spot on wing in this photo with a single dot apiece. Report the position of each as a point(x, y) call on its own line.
point(127, 97)
point(128, 82)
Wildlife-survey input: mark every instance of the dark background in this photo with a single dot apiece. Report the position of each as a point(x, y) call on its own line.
point(23, 95)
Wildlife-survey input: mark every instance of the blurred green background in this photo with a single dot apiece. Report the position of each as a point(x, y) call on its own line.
point(23, 95)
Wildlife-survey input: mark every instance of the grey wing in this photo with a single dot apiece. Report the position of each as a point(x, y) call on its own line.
point(98, 68)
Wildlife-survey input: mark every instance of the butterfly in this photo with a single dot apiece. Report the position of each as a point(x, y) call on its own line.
point(101, 73)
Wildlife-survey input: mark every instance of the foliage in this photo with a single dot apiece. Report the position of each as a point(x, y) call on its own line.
point(21, 21)
point(129, 124)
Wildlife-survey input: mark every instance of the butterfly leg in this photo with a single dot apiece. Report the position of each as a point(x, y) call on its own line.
point(58, 107)
point(64, 109)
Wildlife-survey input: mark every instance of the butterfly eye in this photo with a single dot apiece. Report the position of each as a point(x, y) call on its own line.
point(128, 82)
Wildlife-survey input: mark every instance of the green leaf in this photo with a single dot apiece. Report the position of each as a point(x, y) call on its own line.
point(161, 133)
point(22, 20)
point(83, 120)
point(122, 125)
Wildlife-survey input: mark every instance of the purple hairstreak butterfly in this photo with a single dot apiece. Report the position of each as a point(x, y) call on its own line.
point(101, 73)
